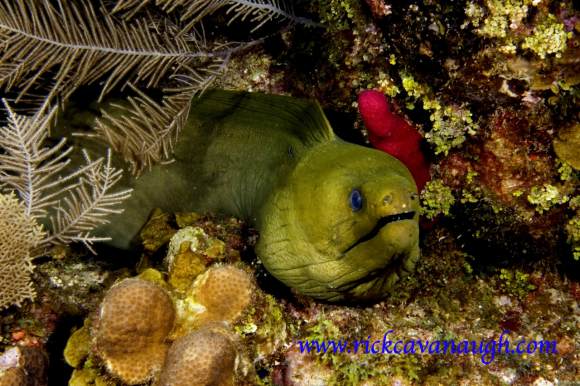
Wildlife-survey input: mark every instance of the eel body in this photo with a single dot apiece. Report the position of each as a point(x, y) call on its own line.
point(337, 221)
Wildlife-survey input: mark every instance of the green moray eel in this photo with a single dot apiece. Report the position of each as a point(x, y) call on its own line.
point(337, 221)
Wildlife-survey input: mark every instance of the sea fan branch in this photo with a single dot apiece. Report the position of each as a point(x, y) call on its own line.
point(258, 11)
point(25, 165)
point(144, 131)
point(88, 204)
point(84, 46)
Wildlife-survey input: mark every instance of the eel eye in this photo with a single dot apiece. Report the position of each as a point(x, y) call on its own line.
point(355, 200)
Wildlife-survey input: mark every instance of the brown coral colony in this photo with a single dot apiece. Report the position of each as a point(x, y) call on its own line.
point(131, 328)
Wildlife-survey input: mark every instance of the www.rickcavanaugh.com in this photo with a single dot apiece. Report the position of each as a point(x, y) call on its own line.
point(486, 348)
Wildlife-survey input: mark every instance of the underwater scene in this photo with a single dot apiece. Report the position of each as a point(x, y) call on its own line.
point(289, 192)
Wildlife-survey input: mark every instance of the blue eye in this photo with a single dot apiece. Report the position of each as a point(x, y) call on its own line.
point(355, 200)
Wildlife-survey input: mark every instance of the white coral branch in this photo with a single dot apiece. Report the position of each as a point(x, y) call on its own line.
point(145, 131)
point(26, 166)
point(79, 200)
point(88, 204)
point(83, 46)
point(258, 12)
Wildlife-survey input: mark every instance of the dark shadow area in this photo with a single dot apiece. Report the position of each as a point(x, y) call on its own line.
point(59, 371)
point(500, 241)
point(342, 124)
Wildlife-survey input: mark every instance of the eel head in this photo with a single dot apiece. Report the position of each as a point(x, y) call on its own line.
point(343, 226)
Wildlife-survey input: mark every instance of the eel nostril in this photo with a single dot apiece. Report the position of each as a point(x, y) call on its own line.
point(387, 199)
point(414, 196)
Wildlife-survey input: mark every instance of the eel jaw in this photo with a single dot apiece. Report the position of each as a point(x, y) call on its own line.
point(395, 266)
point(381, 277)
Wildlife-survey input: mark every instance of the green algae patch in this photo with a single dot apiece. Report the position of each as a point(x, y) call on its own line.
point(154, 276)
point(184, 219)
point(549, 37)
point(88, 377)
point(507, 23)
point(515, 282)
point(451, 124)
point(157, 231)
point(545, 197)
point(186, 266)
point(436, 199)
point(78, 346)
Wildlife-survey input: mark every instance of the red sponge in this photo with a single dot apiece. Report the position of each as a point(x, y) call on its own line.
point(392, 134)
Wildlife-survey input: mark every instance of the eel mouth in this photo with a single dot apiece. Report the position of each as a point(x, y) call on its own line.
point(381, 223)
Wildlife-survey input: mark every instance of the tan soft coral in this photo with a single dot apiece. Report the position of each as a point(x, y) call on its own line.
point(132, 326)
point(19, 234)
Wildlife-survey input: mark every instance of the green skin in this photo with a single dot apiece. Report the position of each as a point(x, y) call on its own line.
point(276, 162)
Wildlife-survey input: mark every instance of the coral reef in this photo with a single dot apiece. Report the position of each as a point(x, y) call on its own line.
point(493, 88)
point(446, 299)
point(70, 204)
point(164, 328)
